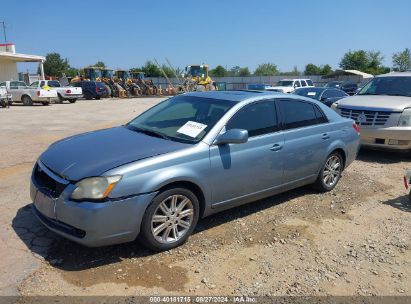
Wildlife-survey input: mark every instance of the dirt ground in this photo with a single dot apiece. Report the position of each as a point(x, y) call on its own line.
point(354, 240)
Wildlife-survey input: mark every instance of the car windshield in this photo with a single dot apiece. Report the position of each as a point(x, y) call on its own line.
point(309, 92)
point(393, 86)
point(197, 71)
point(333, 84)
point(53, 84)
point(285, 83)
point(185, 119)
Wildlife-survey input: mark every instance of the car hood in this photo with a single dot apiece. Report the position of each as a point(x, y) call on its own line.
point(93, 153)
point(377, 102)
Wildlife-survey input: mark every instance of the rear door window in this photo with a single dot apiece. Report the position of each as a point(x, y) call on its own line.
point(303, 83)
point(310, 83)
point(297, 84)
point(297, 114)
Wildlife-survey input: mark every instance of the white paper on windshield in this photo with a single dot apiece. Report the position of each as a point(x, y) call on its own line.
point(192, 128)
point(311, 93)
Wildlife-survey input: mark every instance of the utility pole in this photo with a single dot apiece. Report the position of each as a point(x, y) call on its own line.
point(4, 33)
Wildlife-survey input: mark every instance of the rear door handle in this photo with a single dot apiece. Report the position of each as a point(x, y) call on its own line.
point(325, 136)
point(276, 147)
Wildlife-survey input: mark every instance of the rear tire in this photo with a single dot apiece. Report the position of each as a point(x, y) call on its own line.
point(27, 100)
point(60, 99)
point(98, 97)
point(72, 100)
point(169, 219)
point(88, 96)
point(330, 173)
point(3, 103)
point(45, 103)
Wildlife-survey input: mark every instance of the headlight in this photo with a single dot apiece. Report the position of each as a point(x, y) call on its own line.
point(95, 188)
point(405, 118)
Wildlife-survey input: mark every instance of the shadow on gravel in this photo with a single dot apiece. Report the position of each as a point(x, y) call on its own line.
point(383, 157)
point(403, 203)
point(69, 256)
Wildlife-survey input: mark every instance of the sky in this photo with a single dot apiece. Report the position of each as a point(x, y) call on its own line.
point(126, 33)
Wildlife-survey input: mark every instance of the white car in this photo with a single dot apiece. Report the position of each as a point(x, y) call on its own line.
point(5, 97)
point(63, 93)
point(289, 85)
point(21, 93)
point(382, 108)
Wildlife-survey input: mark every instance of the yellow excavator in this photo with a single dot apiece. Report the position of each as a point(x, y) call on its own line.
point(196, 78)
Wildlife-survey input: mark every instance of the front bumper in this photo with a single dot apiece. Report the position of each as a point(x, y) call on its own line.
point(87, 223)
point(396, 138)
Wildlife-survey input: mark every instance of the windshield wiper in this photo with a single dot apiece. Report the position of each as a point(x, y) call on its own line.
point(150, 132)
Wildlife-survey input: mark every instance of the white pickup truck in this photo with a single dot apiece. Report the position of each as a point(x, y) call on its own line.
point(28, 95)
point(63, 93)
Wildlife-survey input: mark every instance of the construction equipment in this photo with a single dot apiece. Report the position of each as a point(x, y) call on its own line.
point(196, 78)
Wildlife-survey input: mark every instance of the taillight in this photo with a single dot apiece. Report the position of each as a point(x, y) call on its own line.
point(68, 91)
point(38, 93)
point(405, 182)
point(356, 128)
point(96, 89)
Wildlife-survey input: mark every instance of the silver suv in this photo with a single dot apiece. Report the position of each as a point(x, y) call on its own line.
point(383, 110)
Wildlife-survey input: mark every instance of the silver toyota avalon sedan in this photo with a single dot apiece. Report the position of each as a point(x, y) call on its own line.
point(186, 158)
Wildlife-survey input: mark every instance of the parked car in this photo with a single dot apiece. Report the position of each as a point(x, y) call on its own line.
point(91, 89)
point(383, 110)
point(351, 88)
point(63, 93)
point(326, 95)
point(185, 158)
point(289, 85)
point(21, 93)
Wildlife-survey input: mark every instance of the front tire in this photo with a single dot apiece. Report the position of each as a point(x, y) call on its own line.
point(330, 173)
point(72, 100)
point(170, 219)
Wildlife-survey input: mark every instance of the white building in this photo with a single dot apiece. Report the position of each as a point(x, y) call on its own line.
point(9, 59)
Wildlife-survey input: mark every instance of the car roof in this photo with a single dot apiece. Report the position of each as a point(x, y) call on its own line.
point(236, 96)
point(396, 74)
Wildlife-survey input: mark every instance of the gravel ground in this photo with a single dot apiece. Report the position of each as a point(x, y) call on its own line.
point(354, 240)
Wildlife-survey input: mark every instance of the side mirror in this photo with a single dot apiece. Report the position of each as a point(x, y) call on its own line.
point(233, 136)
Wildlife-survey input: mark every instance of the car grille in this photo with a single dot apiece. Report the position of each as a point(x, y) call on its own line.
point(366, 118)
point(46, 183)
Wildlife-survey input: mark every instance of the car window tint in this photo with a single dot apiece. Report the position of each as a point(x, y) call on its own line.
point(297, 84)
point(297, 114)
point(303, 83)
point(309, 82)
point(257, 118)
point(321, 118)
point(34, 84)
point(182, 110)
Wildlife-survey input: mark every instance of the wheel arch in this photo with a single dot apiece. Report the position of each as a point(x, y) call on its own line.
point(196, 189)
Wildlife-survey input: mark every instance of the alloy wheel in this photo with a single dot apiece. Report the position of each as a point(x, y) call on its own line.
point(332, 171)
point(172, 219)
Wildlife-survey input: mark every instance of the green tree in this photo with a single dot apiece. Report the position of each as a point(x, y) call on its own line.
point(234, 71)
point(55, 65)
point(402, 60)
point(244, 72)
point(151, 70)
point(266, 69)
point(368, 62)
point(311, 69)
point(219, 71)
point(326, 69)
point(100, 64)
point(71, 72)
